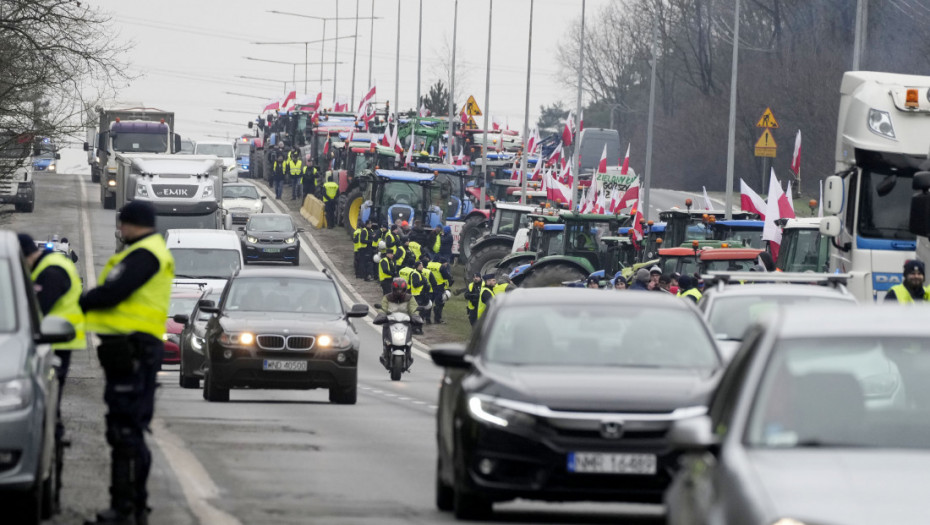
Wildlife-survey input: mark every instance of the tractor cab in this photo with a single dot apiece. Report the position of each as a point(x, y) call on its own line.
point(386, 196)
point(681, 260)
point(544, 239)
point(449, 189)
point(685, 226)
point(363, 154)
point(728, 259)
point(739, 233)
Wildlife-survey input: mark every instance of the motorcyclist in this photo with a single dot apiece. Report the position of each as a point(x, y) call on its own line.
point(399, 300)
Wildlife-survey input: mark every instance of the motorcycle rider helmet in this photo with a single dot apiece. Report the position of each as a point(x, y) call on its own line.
point(399, 286)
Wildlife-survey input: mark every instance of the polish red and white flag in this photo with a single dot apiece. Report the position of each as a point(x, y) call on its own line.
point(751, 201)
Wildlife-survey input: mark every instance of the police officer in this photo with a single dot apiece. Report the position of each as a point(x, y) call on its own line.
point(368, 264)
point(359, 243)
point(310, 175)
point(58, 288)
point(330, 192)
point(443, 278)
point(472, 294)
point(390, 238)
point(487, 293)
point(277, 175)
point(127, 310)
point(295, 168)
point(402, 256)
point(414, 282)
point(912, 289)
point(387, 271)
point(688, 288)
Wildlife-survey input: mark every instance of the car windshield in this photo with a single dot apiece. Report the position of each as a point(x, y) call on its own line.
point(220, 150)
point(242, 148)
point(803, 250)
point(206, 263)
point(729, 317)
point(282, 294)
point(749, 238)
point(508, 221)
point(844, 392)
point(174, 222)
point(683, 265)
point(245, 191)
point(267, 223)
point(884, 205)
point(697, 232)
point(182, 305)
point(622, 336)
point(127, 142)
point(7, 298)
point(729, 265)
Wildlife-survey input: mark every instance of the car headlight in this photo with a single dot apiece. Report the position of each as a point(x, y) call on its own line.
point(208, 191)
point(51, 167)
point(231, 167)
point(880, 123)
point(251, 239)
point(196, 342)
point(496, 412)
point(788, 521)
point(15, 394)
point(258, 206)
point(242, 339)
point(328, 341)
point(290, 240)
point(142, 190)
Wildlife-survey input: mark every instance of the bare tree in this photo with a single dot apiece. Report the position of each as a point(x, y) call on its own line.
point(442, 70)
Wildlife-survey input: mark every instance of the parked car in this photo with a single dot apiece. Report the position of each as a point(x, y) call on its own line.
point(183, 301)
point(192, 339)
point(731, 309)
point(821, 417)
point(28, 393)
point(567, 394)
point(271, 237)
point(282, 329)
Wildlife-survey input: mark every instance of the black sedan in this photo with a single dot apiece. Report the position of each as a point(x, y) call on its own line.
point(282, 329)
point(822, 417)
point(271, 237)
point(191, 339)
point(567, 394)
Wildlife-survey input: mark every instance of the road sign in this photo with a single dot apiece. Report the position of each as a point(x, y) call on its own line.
point(471, 124)
point(767, 120)
point(471, 107)
point(765, 146)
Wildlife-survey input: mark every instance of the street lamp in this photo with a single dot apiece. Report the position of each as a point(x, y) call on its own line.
point(306, 43)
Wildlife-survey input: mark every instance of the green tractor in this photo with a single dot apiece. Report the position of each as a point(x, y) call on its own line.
point(544, 239)
point(429, 132)
point(385, 196)
point(583, 250)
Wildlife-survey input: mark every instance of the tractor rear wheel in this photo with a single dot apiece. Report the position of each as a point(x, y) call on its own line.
point(485, 258)
point(351, 209)
point(473, 229)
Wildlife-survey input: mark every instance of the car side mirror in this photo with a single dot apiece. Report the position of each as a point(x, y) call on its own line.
point(182, 319)
point(86, 146)
point(694, 434)
point(301, 230)
point(450, 355)
point(263, 197)
point(177, 143)
point(242, 228)
point(210, 309)
point(358, 310)
point(830, 226)
point(58, 156)
point(378, 307)
point(833, 195)
point(55, 330)
point(205, 303)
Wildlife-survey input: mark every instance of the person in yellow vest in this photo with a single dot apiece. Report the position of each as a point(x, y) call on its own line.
point(402, 256)
point(912, 289)
point(415, 284)
point(369, 250)
point(429, 284)
point(443, 279)
point(415, 250)
point(389, 236)
point(472, 294)
point(487, 293)
point(295, 169)
point(688, 288)
point(387, 271)
point(58, 288)
point(359, 242)
point(127, 310)
point(310, 176)
point(330, 192)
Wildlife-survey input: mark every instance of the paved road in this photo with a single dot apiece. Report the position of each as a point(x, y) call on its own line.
point(267, 456)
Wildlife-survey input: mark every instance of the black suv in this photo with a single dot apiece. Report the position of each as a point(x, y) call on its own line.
point(29, 453)
point(283, 329)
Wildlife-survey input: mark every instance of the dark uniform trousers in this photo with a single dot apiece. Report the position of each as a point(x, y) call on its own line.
point(130, 398)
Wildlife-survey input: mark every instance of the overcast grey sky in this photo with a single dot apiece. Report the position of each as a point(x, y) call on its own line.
point(190, 53)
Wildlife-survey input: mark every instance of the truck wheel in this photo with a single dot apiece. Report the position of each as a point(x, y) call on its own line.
point(510, 266)
point(473, 229)
point(553, 275)
point(341, 201)
point(485, 258)
point(211, 392)
point(343, 396)
point(351, 210)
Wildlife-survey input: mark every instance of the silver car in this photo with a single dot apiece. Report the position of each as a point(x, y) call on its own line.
point(28, 393)
point(823, 416)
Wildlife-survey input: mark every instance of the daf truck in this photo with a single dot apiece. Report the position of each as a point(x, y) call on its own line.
point(127, 130)
point(881, 142)
point(186, 190)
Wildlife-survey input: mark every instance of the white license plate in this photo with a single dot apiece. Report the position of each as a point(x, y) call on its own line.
point(604, 463)
point(272, 250)
point(287, 366)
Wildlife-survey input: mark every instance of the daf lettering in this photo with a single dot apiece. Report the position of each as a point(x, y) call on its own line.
point(888, 278)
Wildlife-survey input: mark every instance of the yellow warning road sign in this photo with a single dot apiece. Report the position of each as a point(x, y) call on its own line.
point(471, 124)
point(471, 107)
point(765, 146)
point(767, 120)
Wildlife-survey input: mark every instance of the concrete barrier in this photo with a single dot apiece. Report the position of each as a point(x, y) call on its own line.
point(313, 211)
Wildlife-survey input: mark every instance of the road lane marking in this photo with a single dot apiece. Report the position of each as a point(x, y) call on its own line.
point(318, 260)
point(197, 486)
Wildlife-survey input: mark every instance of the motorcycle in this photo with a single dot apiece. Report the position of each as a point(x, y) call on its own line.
point(397, 340)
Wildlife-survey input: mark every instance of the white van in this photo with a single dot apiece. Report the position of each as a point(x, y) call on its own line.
point(205, 258)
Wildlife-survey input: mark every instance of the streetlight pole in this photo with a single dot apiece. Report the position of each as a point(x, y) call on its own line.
point(397, 72)
point(419, 55)
point(647, 178)
point(862, 18)
point(354, 52)
point(455, 27)
point(371, 40)
point(336, 52)
point(487, 109)
point(731, 134)
point(526, 108)
point(577, 153)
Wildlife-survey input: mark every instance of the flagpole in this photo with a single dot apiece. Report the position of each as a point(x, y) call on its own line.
point(577, 153)
point(487, 111)
point(371, 40)
point(419, 57)
point(731, 134)
point(397, 70)
point(647, 177)
point(354, 52)
point(336, 52)
point(455, 26)
point(526, 109)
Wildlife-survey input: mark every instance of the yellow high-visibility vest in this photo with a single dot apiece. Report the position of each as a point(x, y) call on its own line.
point(693, 292)
point(435, 267)
point(415, 249)
point(385, 269)
point(357, 239)
point(482, 306)
point(905, 297)
point(146, 309)
point(67, 305)
point(332, 189)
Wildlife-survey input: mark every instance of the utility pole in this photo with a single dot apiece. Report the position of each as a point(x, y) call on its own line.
point(455, 27)
point(371, 40)
point(526, 108)
point(647, 178)
point(862, 23)
point(419, 57)
point(577, 161)
point(397, 70)
point(354, 52)
point(336, 53)
point(487, 110)
point(731, 135)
